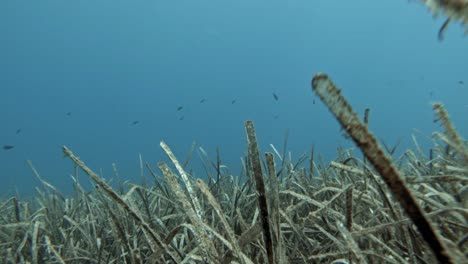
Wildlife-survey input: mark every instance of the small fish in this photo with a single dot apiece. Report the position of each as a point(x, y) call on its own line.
point(202, 101)
point(443, 28)
point(7, 147)
point(181, 118)
point(431, 93)
point(68, 114)
point(18, 131)
point(275, 96)
point(275, 117)
point(461, 82)
point(135, 122)
point(313, 101)
point(233, 101)
point(180, 108)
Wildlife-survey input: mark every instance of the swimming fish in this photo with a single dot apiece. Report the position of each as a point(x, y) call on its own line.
point(18, 131)
point(7, 147)
point(135, 122)
point(275, 96)
point(461, 82)
point(233, 101)
point(180, 108)
point(443, 28)
point(202, 101)
point(68, 113)
point(181, 118)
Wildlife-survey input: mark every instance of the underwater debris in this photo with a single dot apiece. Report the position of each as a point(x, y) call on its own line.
point(365, 140)
point(275, 96)
point(8, 147)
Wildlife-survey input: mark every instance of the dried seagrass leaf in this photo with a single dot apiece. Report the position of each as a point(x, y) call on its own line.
point(254, 157)
point(351, 244)
point(185, 178)
point(51, 250)
point(155, 238)
point(349, 209)
point(34, 251)
point(274, 209)
point(203, 237)
point(337, 104)
point(455, 139)
point(230, 233)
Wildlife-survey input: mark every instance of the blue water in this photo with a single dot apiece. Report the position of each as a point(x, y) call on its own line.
point(79, 73)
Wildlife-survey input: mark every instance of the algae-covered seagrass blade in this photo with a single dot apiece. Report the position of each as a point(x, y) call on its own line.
point(359, 132)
